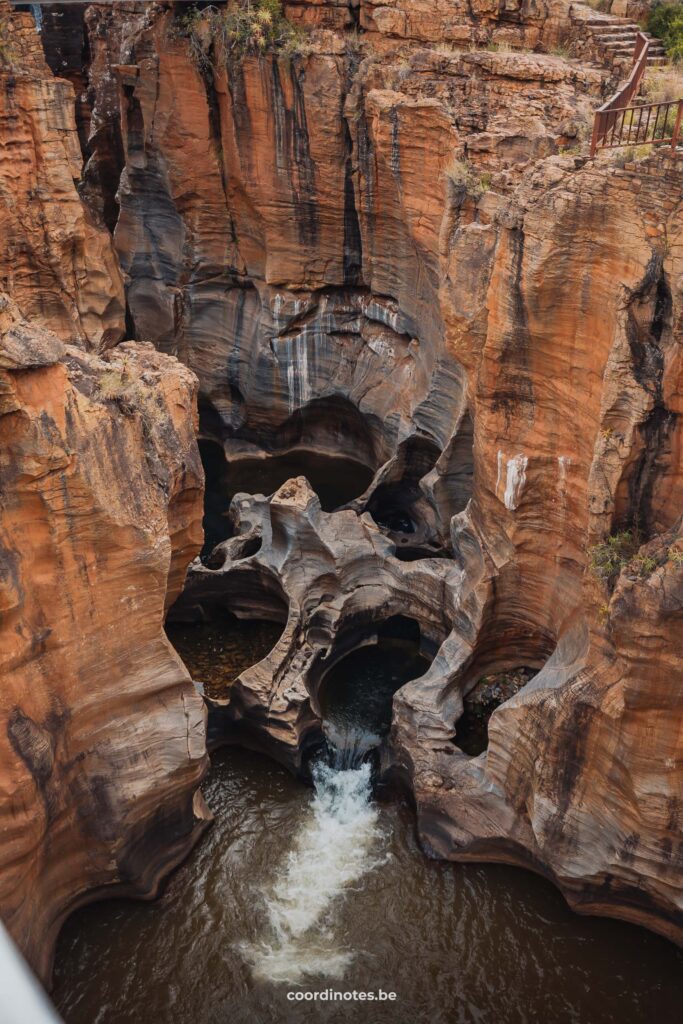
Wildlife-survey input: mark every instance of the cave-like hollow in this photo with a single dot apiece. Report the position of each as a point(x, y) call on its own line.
point(342, 452)
point(217, 526)
point(220, 635)
point(393, 503)
point(354, 686)
point(336, 479)
point(496, 674)
point(329, 442)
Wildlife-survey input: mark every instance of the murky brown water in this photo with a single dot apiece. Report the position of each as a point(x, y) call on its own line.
point(297, 891)
point(457, 943)
point(216, 652)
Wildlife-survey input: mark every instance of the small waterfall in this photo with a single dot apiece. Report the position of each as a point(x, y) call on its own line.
point(349, 745)
point(338, 844)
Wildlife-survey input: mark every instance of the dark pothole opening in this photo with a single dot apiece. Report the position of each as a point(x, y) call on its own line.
point(217, 526)
point(488, 693)
point(414, 553)
point(241, 549)
point(355, 694)
point(390, 508)
point(336, 479)
point(216, 652)
point(398, 504)
point(229, 627)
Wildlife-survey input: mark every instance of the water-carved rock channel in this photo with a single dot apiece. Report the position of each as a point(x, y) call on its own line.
point(328, 347)
point(324, 587)
point(297, 889)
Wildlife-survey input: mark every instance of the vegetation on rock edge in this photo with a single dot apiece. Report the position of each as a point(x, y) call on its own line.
point(665, 21)
point(619, 551)
point(6, 43)
point(242, 28)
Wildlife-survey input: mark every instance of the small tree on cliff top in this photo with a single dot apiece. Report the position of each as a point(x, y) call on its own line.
point(665, 20)
point(243, 27)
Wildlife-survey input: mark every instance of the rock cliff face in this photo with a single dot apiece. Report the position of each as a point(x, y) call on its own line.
point(102, 734)
point(55, 260)
point(498, 347)
point(102, 745)
point(391, 266)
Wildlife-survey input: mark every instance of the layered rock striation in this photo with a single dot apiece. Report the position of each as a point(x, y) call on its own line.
point(389, 262)
point(102, 741)
point(102, 746)
point(55, 260)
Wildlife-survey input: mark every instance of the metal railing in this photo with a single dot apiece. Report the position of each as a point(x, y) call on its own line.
point(643, 124)
point(612, 124)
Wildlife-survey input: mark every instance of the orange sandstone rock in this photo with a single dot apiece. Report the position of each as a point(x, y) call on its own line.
point(56, 263)
point(382, 248)
point(411, 206)
point(102, 740)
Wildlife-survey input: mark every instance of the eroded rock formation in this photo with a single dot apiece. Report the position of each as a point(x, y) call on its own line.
point(102, 745)
point(56, 262)
point(555, 289)
point(389, 258)
point(102, 741)
point(332, 579)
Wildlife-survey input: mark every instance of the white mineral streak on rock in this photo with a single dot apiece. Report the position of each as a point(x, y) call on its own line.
point(501, 459)
point(381, 347)
point(297, 373)
point(515, 481)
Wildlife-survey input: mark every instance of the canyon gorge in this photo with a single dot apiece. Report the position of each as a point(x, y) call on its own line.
point(351, 337)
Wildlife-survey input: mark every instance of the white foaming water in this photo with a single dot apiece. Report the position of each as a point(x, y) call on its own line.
point(336, 847)
point(349, 744)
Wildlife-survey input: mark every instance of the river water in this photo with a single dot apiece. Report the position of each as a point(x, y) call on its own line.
point(298, 890)
point(288, 878)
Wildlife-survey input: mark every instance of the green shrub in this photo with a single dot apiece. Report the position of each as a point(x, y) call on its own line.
point(620, 551)
point(665, 21)
point(607, 559)
point(120, 384)
point(663, 85)
point(632, 154)
point(563, 50)
point(241, 28)
point(643, 564)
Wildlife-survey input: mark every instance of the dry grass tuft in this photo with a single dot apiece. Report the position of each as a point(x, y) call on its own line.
point(466, 180)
